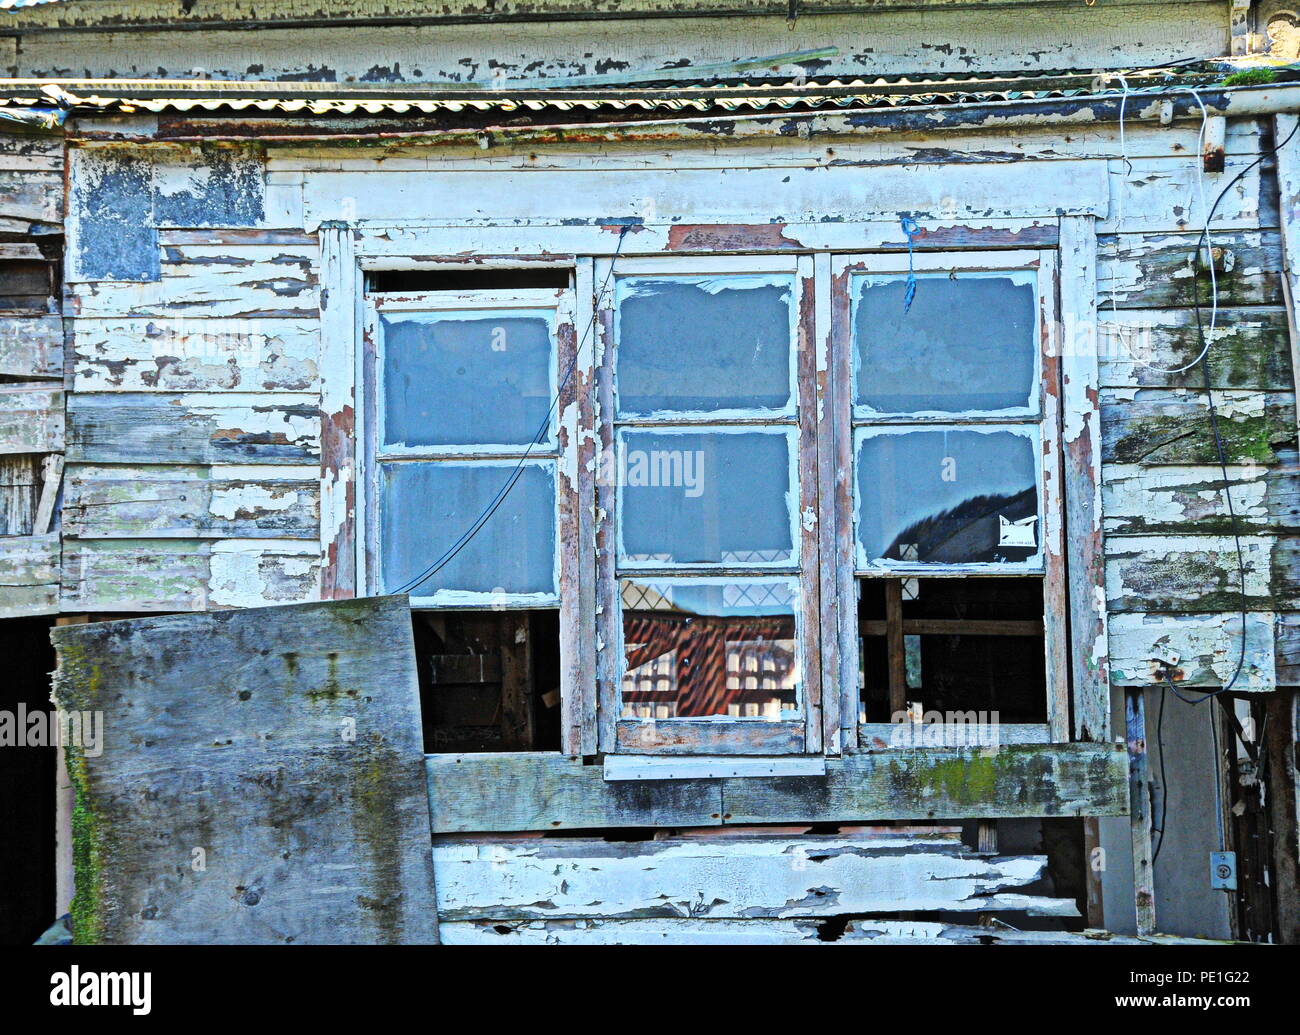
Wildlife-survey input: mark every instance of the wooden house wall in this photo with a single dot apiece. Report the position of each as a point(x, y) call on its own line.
point(194, 410)
point(31, 379)
point(474, 41)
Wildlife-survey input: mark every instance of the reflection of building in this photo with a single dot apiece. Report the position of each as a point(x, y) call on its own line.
point(681, 665)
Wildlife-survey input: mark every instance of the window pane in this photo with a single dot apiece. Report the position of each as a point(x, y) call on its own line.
point(965, 344)
point(466, 380)
point(427, 507)
point(710, 647)
point(703, 344)
point(712, 497)
point(947, 496)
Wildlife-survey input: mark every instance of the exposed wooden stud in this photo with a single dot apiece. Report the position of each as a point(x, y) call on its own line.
point(1082, 466)
point(52, 472)
point(895, 646)
point(1139, 790)
point(340, 356)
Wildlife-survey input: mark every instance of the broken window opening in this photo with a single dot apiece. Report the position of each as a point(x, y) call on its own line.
point(961, 645)
point(489, 680)
point(30, 274)
point(422, 280)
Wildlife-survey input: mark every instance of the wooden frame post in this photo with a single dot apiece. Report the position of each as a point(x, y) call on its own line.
point(1139, 793)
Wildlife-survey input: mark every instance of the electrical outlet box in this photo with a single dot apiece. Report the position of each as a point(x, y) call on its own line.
point(1223, 871)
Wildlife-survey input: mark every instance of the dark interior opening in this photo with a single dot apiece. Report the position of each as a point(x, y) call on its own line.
point(415, 281)
point(489, 680)
point(27, 779)
point(970, 644)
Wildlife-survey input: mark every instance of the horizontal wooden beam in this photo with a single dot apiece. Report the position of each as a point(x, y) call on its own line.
point(956, 627)
point(484, 793)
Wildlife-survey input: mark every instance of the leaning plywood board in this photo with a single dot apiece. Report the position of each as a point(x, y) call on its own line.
point(260, 777)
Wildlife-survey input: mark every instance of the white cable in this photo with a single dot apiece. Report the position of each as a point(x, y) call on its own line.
point(1205, 234)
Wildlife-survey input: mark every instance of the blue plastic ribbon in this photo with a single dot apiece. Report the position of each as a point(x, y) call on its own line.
point(912, 231)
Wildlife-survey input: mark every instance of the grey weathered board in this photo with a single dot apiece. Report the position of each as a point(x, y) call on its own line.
point(520, 792)
point(284, 744)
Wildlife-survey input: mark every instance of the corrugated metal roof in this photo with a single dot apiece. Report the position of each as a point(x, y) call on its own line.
point(804, 94)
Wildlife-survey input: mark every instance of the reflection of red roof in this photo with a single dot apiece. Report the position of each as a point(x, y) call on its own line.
point(701, 643)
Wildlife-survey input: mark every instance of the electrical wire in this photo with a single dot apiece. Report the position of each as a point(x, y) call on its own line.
point(485, 515)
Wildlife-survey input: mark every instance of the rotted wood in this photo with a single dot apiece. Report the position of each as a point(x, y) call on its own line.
point(1154, 271)
point(742, 878)
point(1207, 648)
point(1282, 744)
point(895, 646)
point(1153, 427)
point(1140, 347)
point(20, 487)
point(193, 429)
point(1199, 575)
point(202, 819)
point(1189, 500)
point(127, 501)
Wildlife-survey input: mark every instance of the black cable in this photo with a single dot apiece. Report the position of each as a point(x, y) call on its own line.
point(1164, 785)
point(450, 553)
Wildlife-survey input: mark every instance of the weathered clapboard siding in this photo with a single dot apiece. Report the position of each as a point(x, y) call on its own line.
point(1287, 644)
point(31, 346)
point(1198, 574)
point(470, 41)
point(281, 743)
point(1163, 194)
point(31, 182)
point(31, 418)
point(123, 575)
point(124, 502)
point(742, 878)
point(1208, 648)
point(1189, 500)
point(202, 354)
point(1156, 426)
point(29, 575)
point(235, 281)
point(148, 427)
point(1152, 271)
point(1251, 349)
point(514, 792)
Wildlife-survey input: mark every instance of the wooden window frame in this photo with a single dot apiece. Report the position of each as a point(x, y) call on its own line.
point(714, 735)
point(1044, 415)
point(349, 251)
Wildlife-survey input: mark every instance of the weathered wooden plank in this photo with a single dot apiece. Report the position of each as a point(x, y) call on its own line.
point(1152, 271)
point(29, 575)
point(265, 783)
point(1153, 426)
point(1082, 446)
point(31, 419)
point(140, 354)
point(1250, 348)
point(125, 575)
point(1189, 500)
point(341, 343)
point(1140, 816)
point(241, 282)
point(941, 783)
point(739, 195)
point(1287, 628)
point(172, 428)
point(1164, 195)
point(1207, 647)
point(544, 791)
point(1199, 574)
point(776, 877)
point(32, 195)
point(1288, 191)
point(122, 502)
point(31, 346)
point(702, 931)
